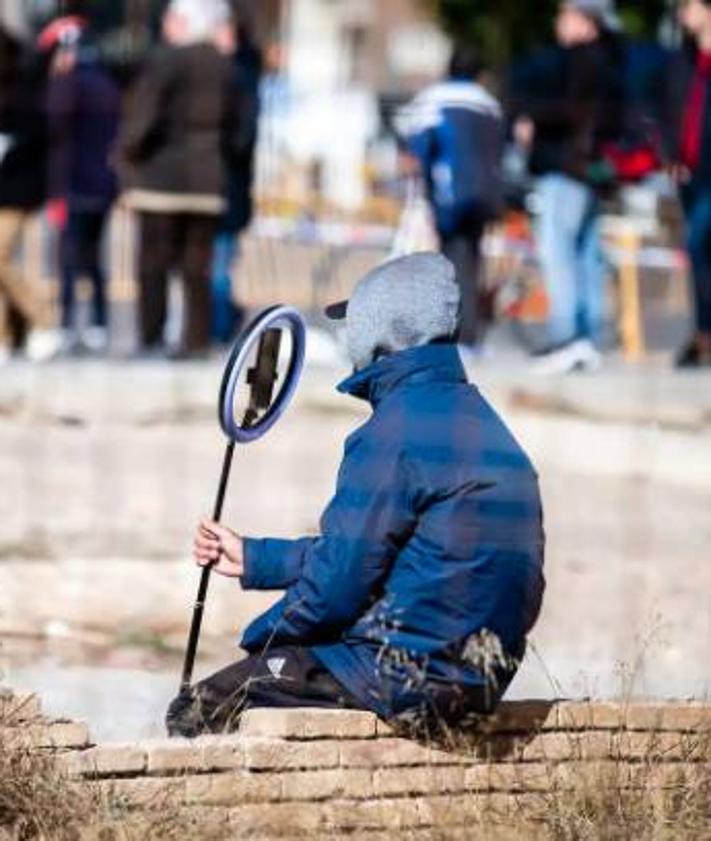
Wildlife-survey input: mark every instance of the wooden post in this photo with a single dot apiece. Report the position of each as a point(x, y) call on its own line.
point(631, 326)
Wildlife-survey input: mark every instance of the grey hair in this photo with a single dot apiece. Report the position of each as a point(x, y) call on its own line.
point(202, 17)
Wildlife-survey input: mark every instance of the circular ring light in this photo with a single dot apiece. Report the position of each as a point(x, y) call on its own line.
point(278, 317)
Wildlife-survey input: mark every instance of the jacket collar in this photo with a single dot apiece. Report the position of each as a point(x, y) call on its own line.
point(424, 364)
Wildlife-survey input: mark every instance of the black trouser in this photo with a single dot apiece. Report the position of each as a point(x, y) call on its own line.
point(282, 677)
point(79, 254)
point(697, 207)
point(463, 247)
point(183, 241)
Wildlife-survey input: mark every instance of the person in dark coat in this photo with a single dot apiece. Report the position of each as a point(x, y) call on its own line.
point(454, 130)
point(84, 107)
point(689, 141)
point(180, 135)
point(23, 186)
point(416, 599)
point(247, 68)
point(570, 103)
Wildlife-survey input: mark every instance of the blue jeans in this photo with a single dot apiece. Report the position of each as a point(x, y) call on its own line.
point(571, 257)
point(224, 313)
point(697, 207)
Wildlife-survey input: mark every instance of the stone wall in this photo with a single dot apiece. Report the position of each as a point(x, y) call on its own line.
point(299, 772)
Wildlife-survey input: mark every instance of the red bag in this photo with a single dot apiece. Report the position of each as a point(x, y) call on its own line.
point(632, 162)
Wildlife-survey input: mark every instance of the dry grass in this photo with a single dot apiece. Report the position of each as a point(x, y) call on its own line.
point(648, 798)
point(605, 805)
point(34, 801)
point(39, 803)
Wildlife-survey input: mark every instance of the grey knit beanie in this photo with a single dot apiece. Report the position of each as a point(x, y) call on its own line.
point(404, 303)
point(601, 11)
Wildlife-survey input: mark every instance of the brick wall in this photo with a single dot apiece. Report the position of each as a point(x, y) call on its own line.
point(299, 772)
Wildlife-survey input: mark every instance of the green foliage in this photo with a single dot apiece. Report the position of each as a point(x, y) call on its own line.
point(506, 28)
point(642, 17)
point(501, 28)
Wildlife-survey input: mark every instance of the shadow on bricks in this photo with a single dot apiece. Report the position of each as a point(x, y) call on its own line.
point(498, 737)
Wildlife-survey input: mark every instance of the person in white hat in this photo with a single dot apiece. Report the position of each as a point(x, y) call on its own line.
point(180, 137)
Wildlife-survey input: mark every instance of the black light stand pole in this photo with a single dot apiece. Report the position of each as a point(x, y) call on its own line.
point(199, 607)
point(261, 380)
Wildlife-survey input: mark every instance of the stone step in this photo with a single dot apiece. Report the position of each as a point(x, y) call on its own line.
point(511, 717)
point(210, 754)
point(385, 783)
point(311, 724)
point(57, 735)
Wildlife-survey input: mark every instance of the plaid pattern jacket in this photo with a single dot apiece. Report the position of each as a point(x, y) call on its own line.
point(432, 542)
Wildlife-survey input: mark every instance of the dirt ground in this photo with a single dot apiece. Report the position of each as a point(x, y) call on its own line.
point(106, 468)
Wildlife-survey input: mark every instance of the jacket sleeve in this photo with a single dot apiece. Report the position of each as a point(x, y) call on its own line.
point(536, 90)
point(416, 125)
point(422, 146)
point(145, 112)
point(364, 527)
point(239, 122)
point(670, 111)
point(61, 96)
point(273, 564)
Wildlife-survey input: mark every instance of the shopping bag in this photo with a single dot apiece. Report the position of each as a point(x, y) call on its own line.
point(416, 230)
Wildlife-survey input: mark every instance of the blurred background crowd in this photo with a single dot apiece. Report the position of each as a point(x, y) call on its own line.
point(168, 165)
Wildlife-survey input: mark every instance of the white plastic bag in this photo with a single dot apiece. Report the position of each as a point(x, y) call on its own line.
point(416, 230)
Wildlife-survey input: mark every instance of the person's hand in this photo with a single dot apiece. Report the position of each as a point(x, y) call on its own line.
point(220, 548)
point(679, 173)
point(524, 132)
point(408, 165)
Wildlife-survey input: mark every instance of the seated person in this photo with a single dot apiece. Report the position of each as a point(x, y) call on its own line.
point(416, 599)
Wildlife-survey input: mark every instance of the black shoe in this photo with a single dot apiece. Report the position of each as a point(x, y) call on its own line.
point(184, 717)
point(691, 356)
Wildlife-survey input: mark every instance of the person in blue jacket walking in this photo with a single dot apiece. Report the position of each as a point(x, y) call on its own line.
point(416, 599)
point(454, 131)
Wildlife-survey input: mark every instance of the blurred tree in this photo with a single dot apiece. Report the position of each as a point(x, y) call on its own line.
point(506, 28)
point(642, 17)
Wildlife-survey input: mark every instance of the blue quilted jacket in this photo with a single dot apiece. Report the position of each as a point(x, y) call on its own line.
point(428, 570)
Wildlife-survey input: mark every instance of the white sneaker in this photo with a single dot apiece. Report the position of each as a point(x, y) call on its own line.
point(43, 345)
point(580, 355)
point(95, 339)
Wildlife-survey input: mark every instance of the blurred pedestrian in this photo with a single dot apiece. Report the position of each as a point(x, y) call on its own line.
point(454, 130)
point(247, 68)
point(570, 105)
point(23, 152)
point(83, 113)
point(180, 133)
point(690, 123)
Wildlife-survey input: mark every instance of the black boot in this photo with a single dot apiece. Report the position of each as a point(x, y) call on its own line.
point(185, 716)
point(694, 355)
